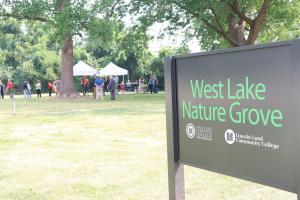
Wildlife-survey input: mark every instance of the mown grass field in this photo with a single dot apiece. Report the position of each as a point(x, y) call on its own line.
point(82, 149)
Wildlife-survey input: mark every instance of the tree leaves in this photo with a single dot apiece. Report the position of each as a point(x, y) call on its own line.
point(24, 53)
point(209, 18)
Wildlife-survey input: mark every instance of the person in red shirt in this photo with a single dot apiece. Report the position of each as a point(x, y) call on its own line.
point(123, 87)
point(50, 87)
point(86, 84)
point(10, 88)
point(82, 84)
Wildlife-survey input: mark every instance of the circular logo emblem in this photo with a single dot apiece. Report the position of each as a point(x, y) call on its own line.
point(229, 136)
point(190, 131)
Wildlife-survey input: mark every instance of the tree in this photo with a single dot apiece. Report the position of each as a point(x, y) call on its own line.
point(68, 18)
point(224, 22)
point(132, 51)
point(156, 66)
point(26, 53)
point(128, 49)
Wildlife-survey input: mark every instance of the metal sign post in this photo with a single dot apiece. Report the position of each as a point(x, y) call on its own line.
point(175, 168)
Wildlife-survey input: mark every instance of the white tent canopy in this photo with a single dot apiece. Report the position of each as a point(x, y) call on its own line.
point(112, 70)
point(83, 69)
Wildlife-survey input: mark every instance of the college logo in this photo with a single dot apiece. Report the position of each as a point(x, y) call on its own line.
point(190, 130)
point(229, 136)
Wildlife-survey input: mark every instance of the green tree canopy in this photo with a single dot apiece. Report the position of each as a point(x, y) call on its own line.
point(66, 19)
point(219, 23)
point(25, 53)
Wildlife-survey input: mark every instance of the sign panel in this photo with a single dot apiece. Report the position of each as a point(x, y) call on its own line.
point(235, 112)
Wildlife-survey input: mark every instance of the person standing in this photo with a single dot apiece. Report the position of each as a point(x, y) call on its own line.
point(141, 85)
point(82, 85)
point(38, 87)
point(57, 86)
point(116, 78)
point(99, 88)
point(111, 87)
point(136, 86)
point(50, 87)
point(86, 84)
point(28, 90)
point(123, 87)
point(128, 86)
point(10, 88)
point(105, 88)
point(155, 84)
point(94, 86)
point(25, 89)
point(151, 84)
point(2, 89)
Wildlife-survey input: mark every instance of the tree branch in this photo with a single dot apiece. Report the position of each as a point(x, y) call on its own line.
point(35, 18)
point(78, 33)
point(263, 11)
point(220, 31)
point(113, 9)
point(258, 21)
point(235, 8)
point(217, 19)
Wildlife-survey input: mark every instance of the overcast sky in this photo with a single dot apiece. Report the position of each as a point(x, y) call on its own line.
point(169, 40)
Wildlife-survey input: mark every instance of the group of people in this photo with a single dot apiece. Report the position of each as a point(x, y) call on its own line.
point(111, 85)
point(100, 85)
point(27, 88)
point(150, 86)
point(9, 89)
point(51, 86)
point(54, 87)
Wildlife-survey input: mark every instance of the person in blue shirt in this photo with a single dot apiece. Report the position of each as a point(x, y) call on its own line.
point(25, 89)
point(99, 88)
point(151, 84)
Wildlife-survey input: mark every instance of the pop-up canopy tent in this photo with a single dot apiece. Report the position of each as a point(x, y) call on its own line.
point(83, 69)
point(113, 70)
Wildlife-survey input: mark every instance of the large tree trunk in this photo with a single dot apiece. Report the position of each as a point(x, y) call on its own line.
point(236, 31)
point(242, 30)
point(66, 59)
point(67, 82)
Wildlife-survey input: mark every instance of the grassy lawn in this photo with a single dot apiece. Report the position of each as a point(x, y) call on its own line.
point(83, 149)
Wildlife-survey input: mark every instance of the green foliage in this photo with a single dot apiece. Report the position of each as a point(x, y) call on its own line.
point(27, 52)
point(283, 18)
point(30, 49)
point(66, 19)
point(284, 24)
point(156, 66)
point(24, 53)
point(127, 48)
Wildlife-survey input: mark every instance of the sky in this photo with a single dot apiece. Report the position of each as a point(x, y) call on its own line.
point(169, 40)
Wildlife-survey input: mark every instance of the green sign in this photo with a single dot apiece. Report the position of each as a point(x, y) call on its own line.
point(236, 112)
